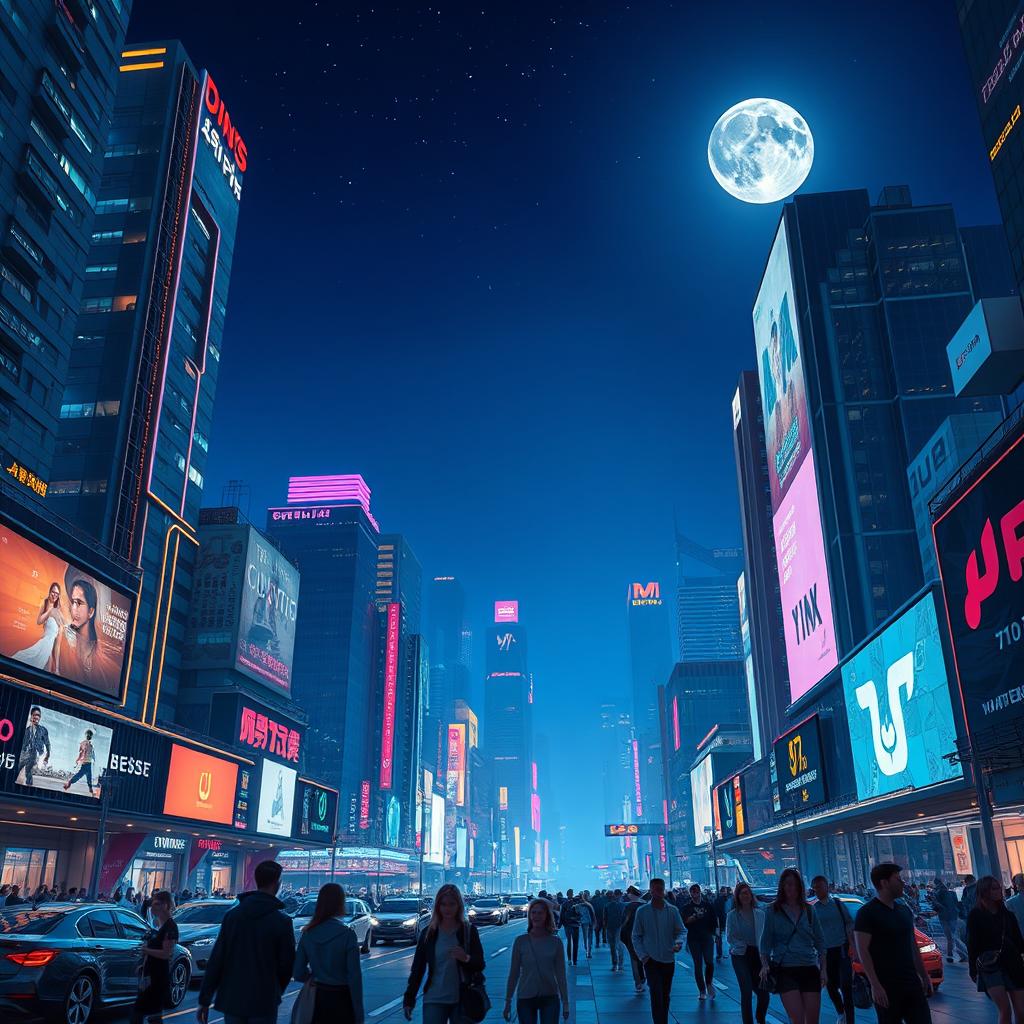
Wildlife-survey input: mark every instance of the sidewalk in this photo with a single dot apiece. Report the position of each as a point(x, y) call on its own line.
point(600, 997)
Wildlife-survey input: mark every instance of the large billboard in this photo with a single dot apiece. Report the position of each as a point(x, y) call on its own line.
point(701, 779)
point(387, 731)
point(457, 764)
point(730, 808)
point(58, 619)
point(63, 753)
point(435, 848)
point(898, 707)
point(200, 786)
point(316, 812)
point(980, 544)
point(276, 800)
point(799, 545)
point(800, 766)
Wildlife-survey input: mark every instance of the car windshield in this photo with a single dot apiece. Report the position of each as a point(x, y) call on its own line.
point(29, 922)
point(400, 907)
point(487, 903)
point(520, 901)
point(208, 913)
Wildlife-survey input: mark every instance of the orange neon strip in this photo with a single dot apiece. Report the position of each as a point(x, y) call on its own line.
point(144, 53)
point(167, 623)
point(142, 67)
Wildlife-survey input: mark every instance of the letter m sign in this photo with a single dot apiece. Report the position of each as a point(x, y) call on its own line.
point(652, 592)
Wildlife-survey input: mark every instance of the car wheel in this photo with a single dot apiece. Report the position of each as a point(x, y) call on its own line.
point(80, 1000)
point(181, 976)
point(367, 941)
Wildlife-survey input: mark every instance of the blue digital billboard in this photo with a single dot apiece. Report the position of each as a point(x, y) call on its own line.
point(898, 707)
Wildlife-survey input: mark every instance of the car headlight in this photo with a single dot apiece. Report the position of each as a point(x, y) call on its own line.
point(409, 922)
point(472, 912)
point(208, 941)
point(374, 922)
point(930, 948)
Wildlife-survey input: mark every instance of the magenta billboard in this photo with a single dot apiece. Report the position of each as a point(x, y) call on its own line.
point(799, 544)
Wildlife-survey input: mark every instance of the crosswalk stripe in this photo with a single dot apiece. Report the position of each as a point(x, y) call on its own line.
point(387, 1006)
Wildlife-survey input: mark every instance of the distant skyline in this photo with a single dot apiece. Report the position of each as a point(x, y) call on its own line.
point(483, 262)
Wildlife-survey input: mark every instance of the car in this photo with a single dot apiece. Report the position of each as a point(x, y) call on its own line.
point(198, 927)
point(930, 953)
point(518, 906)
point(400, 918)
point(66, 961)
point(357, 917)
point(489, 910)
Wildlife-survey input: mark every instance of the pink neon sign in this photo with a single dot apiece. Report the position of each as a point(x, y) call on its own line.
point(535, 812)
point(636, 779)
point(506, 611)
point(535, 776)
point(387, 736)
point(675, 723)
point(364, 804)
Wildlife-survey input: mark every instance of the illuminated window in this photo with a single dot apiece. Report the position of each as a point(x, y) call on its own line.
point(101, 269)
point(106, 236)
point(77, 410)
point(62, 487)
point(195, 476)
point(110, 408)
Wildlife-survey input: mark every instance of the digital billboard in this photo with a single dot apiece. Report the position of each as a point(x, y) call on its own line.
point(701, 778)
point(898, 707)
point(58, 619)
point(634, 829)
point(980, 545)
point(748, 665)
point(506, 611)
point(276, 803)
point(316, 811)
point(62, 753)
point(435, 849)
point(799, 765)
point(730, 808)
point(200, 786)
point(457, 764)
point(811, 648)
point(757, 795)
point(387, 734)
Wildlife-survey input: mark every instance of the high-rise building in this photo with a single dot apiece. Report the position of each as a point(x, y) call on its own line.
point(136, 412)
point(327, 530)
point(58, 77)
point(764, 643)
point(449, 669)
point(706, 604)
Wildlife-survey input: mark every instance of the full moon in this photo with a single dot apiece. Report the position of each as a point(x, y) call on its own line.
point(761, 151)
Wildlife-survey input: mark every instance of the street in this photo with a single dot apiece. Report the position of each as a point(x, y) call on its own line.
point(599, 996)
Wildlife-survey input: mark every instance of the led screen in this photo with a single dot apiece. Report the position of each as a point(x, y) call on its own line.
point(799, 765)
point(59, 619)
point(701, 778)
point(316, 810)
point(62, 753)
point(730, 810)
point(200, 786)
point(277, 799)
point(435, 851)
point(799, 545)
point(898, 707)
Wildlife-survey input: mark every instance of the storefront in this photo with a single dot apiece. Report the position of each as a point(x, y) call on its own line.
point(213, 867)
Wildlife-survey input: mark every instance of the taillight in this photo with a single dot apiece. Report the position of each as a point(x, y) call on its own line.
point(33, 958)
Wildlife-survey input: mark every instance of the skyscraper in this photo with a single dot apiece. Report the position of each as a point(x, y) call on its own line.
point(136, 413)
point(58, 75)
point(449, 670)
point(707, 605)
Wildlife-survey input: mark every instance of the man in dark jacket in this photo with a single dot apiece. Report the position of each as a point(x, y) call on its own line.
point(252, 960)
point(631, 904)
point(614, 913)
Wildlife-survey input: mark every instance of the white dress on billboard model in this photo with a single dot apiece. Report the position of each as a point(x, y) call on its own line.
point(40, 653)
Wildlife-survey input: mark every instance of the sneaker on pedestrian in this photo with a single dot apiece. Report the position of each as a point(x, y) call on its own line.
point(639, 990)
point(702, 995)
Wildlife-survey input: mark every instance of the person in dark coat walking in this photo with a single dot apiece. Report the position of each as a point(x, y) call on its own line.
point(252, 960)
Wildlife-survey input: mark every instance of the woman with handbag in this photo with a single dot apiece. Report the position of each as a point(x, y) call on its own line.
point(793, 951)
point(449, 953)
point(995, 951)
point(538, 969)
point(327, 960)
point(158, 948)
point(743, 927)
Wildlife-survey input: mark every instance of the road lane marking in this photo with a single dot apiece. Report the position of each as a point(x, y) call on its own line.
point(387, 1006)
point(497, 952)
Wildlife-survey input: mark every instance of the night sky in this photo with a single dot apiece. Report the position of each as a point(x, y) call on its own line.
point(482, 261)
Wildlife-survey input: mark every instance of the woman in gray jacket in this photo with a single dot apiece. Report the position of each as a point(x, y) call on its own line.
point(743, 927)
point(329, 952)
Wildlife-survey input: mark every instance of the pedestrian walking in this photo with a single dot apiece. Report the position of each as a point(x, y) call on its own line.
point(585, 912)
point(252, 959)
point(614, 911)
point(157, 949)
point(599, 902)
point(538, 970)
point(947, 910)
point(657, 937)
point(632, 905)
point(793, 950)
point(448, 951)
point(328, 957)
point(995, 951)
point(837, 928)
point(1015, 903)
point(743, 927)
point(701, 923)
point(887, 949)
point(571, 925)
point(720, 901)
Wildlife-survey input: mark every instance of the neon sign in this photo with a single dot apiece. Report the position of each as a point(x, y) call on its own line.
point(263, 733)
point(636, 779)
point(643, 595)
point(223, 138)
point(387, 736)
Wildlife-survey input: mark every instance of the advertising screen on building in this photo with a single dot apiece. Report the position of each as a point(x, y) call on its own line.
point(200, 786)
point(277, 799)
point(387, 732)
point(506, 611)
point(799, 545)
point(266, 624)
point(435, 851)
point(898, 707)
point(457, 763)
point(316, 811)
point(980, 544)
point(730, 808)
point(701, 778)
point(58, 619)
point(799, 765)
point(62, 753)
point(634, 829)
point(757, 795)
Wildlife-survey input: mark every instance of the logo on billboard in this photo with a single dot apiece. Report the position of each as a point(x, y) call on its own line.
point(797, 757)
point(890, 737)
point(727, 799)
point(321, 805)
point(645, 595)
point(806, 617)
point(506, 642)
point(224, 139)
point(263, 733)
point(982, 582)
point(506, 611)
point(205, 787)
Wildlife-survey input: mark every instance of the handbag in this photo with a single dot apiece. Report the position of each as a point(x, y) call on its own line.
point(989, 960)
point(861, 992)
point(305, 1002)
point(771, 983)
point(474, 1002)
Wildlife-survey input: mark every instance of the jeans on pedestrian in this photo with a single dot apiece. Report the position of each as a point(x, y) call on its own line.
point(538, 1010)
point(638, 967)
point(748, 975)
point(659, 981)
point(86, 770)
point(702, 950)
point(231, 1018)
point(954, 947)
point(599, 933)
point(615, 945)
point(840, 980)
point(572, 942)
point(907, 1005)
point(439, 1013)
point(588, 937)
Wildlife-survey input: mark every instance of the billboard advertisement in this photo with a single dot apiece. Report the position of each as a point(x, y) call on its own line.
point(799, 545)
point(506, 611)
point(730, 808)
point(275, 807)
point(245, 723)
point(316, 811)
point(58, 619)
point(800, 768)
point(211, 630)
point(200, 786)
point(435, 850)
point(701, 778)
point(757, 796)
point(387, 729)
point(980, 545)
point(898, 707)
point(457, 763)
point(62, 753)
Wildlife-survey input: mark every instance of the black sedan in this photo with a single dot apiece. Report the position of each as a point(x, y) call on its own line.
point(64, 961)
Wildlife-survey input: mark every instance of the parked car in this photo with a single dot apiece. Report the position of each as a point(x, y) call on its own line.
point(489, 910)
point(518, 906)
point(198, 927)
point(400, 918)
point(930, 954)
point(65, 961)
point(357, 917)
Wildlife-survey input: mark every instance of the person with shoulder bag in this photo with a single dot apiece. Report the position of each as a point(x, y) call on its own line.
point(743, 927)
point(451, 956)
point(995, 951)
point(327, 960)
point(538, 970)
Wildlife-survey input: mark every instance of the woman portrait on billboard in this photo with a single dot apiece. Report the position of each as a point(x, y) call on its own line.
point(84, 658)
point(45, 652)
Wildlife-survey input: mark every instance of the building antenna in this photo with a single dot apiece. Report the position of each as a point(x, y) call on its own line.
point(234, 493)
